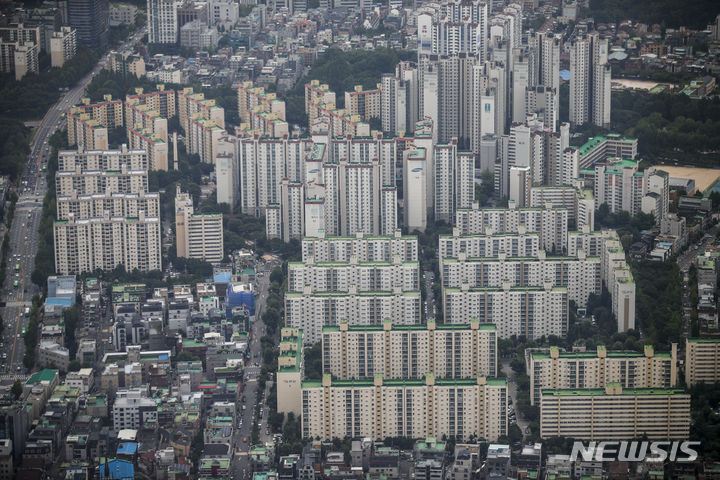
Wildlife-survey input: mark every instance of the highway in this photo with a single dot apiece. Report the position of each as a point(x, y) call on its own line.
point(24, 229)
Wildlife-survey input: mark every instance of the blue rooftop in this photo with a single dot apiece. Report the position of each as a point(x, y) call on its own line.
point(117, 470)
point(127, 448)
point(224, 277)
point(63, 302)
point(163, 356)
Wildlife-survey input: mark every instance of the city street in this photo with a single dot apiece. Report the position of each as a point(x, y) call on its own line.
point(24, 230)
point(241, 466)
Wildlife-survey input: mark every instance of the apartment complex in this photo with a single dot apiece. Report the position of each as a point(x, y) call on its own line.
point(252, 99)
point(589, 80)
point(429, 407)
point(198, 235)
point(489, 245)
point(290, 371)
point(363, 247)
point(530, 312)
point(88, 123)
point(618, 280)
point(363, 103)
point(598, 149)
point(106, 217)
point(311, 311)
point(591, 370)
point(702, 360)
point(320, 104)
point(409, 351)
point(615, 413)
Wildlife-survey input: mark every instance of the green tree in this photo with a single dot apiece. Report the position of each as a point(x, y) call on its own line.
point(16, 389)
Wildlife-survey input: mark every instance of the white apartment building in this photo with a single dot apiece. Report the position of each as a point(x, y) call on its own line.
point(118, 204)
point(589, 81)
point(363, 247)
point(423, 408)
point(312, 311)
point(286, 220)
point(102, 160)
point(702, 361)
point(365, 276)
point(487, 245)
point(550, 223)
point(614, 413)
point(198, 235)
point(409, 351)
point(162, 21)
point(132, 408)
point(618, 280)
point(579, 275)
point(454, 178)
point(588, 240)
point(529, 312)
point(415, 166)
point(578, 370)
point(226, 174)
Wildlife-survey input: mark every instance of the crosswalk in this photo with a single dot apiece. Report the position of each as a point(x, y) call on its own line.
point(10, 376)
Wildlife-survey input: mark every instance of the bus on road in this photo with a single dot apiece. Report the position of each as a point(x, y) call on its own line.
point(17, 267)
point(16, 284)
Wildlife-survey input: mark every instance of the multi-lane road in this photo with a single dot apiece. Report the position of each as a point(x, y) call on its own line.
point(24, 230)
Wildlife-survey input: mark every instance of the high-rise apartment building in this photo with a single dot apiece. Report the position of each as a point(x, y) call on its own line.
point(614, 413)
point(618, 280)
point(590, 77)
point(163, 25)
point(88, 123)
point(198, 235)
point(90, 19)
point(364, 248)
point(409, 352)
point(63, 45)
point(365, 276)
point(311, 311)
point(489, 244)
point(530, 312)
point(702, 361)
point(380, 408)
point(106, 217)
point(26, 60)
point(568, 370)
point(363, 103)
point(550, 223)
point(454, 177)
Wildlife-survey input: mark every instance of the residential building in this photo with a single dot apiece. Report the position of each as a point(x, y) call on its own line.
point(423, 408)
point(311, 311)
point(162, 22)
point(530, 312)
point(365, 276)
point(290, 371)
point(409, 351)
point(7, 470)
point(589, 81)
point(63, 45)
point(198, 235)
point(599, 149)
point(454, 177)
point(53, 355)
point(363, 247)
point(363, 103)
point(568, 370)
point(88, 123)
point(702, 361)
point(26, 60)
point(615, 413)
point(489, 245)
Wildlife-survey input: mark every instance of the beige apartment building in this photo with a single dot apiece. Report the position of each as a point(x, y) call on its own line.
point(290, 371)
point(63, 45)
point(83, 119)
point(614, 413)
point(255, 99)
point(190, 103)
point(702, 361)
point(198, 236)
point(364, 103)
point(409, 351)
point(595, 369)
point(428, 407)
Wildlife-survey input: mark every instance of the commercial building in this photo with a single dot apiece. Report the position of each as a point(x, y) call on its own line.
point(363, 247)
point(311, 311)
point(52, 355)
point(380, 408)
point(409, 351)
point(63, 45)
point(530, 312)
point(90, 18)
point(615, 413)
point(198, 235)
point(702, 361)
point(595, 369)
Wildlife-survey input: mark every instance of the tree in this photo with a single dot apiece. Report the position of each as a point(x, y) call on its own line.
point(16, 389)
point(74, 365)
point(277, 275)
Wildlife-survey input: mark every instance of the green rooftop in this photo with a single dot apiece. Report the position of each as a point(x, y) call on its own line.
point(45, 375)
point(595, 392)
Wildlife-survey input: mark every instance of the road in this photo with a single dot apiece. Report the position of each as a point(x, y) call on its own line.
point(241, 467)
point(512, 393)
point(24, 228)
